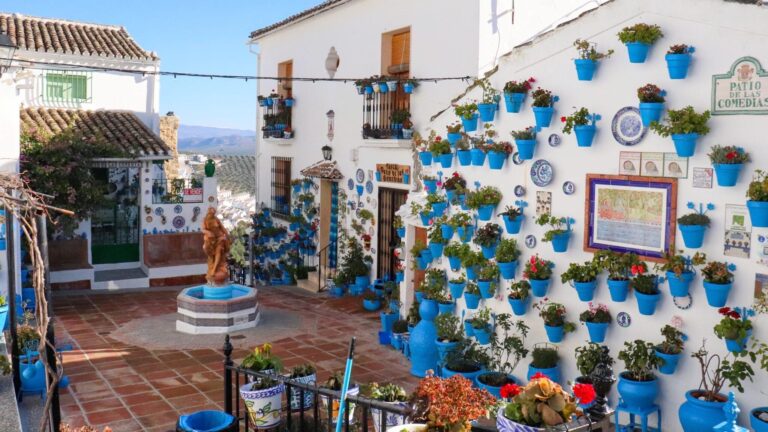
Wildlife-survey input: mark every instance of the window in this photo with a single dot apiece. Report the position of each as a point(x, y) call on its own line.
point(277, 112)
point(281, 186)
point(66, 86)
point(380, 108)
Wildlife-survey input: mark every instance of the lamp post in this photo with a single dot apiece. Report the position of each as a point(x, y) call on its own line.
point(327, 152)
point(7, 48)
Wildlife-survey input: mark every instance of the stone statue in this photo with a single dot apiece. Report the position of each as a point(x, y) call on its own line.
point(216, 245)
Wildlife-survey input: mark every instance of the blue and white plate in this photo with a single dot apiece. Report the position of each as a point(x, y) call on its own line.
point(516, 159)
point(178, 209)
point(369, 186)
point(360, 175)
point(569, 188)
point(554, 140)
point(530, 241)
point(627, 126)
point(623, 319)
point(519, 191)
point(542, 173)
point(350, 184)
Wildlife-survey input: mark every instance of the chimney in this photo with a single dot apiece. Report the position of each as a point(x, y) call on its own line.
point(169, 133)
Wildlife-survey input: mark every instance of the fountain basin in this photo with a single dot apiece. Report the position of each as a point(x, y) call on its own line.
point(198, 313)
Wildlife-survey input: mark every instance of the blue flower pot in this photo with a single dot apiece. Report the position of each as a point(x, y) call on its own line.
point(421, 342)
point(508, 269)
point(525, 149)
point(396, 341)
point(371, 305)
point(368, 89)
point(478, 157)
point(485, 212)
point(482, 335)
point(383, 88)
point(387, 320)
point(637, 51)
point(646, 303)
point(727, 175)
point(445, 308)
point(618, 290)
point(399, 276)
point(496, 160)
point(465, 157)
point(4, 318)
point(685, 144)
point(519, 306)
point(463, 202)
point(378, 176)
point(439, 208)
point(453, 138)
point(361, 282)
point(489, 252)
point(693, 235)
point(360, 189)
point(455, 263)
point(679, 286)
point(406, 178)
point(401, 232)
point(446, 231)
point(650, 112)
point(758, 213)
point(436, 249)
point(487, 111)
point(514, 101)
point(585, 290)
point(638, 395)
point(472, 273)
point(296, 189)
point(670, 362)
point(539, 287)
point(585, 134)
point(757, 424)
point(427, 255)
point(430, 185)
point(697, 415)
point(421, 263)
point(543, 116)
point(737, 345)
point(512, 226)
point(585, 69)
point(471, 124)
point(552, 373)
point(419, 296)
point(468, 330)
point(426, 158)
point(472, 300)
point(210, 420)
point(450, 194)
point(493, 390)
point(456, 289)
point(677, 65)
point(596, 331)
point(717, 294)
point(425, 218)
point(443, 348)
point(446, 160)
point(472, 376)
point(554, 333)
point(487, 289)
point(466, 233)
point(560, 242)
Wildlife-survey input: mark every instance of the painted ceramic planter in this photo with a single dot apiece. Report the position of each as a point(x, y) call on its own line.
point(445, 308)
point(472, 273)
point(737, 345)
point(455, 263)
point(426, 158)
point(693, 235)
point(470, 125)
point(472, 376)
point(456, 289)
point(585, 134)
point(496, 160)
point(555, 334)
point(446, 160)
point(295, 394)
point(508, 269)
point(619, 289)
point(487, 111)
point(430, 185)
point(487, 289)
point(585, 69)
point(485, 212)
point(482, 335)
point(637, 51)
point(489, 252)
point(443, 348)
point(392, 420)
point(757, 424)
point(638, 395)
point(421, 341)
point(371, 305)
point(519, 306)
point(408, 88)
point(453, 138)
point(513, 102)
point(263, 406)
point(650, 112)
point(466, 233)
point(698, 415)
point(560, 242)
point(478, 157)
point(585, 290)
point(543, 116)
point(471, 300)
point(436, 249)
point(354, 390)
point(727, 175)
point(465, 157)
point(512, 226)
point(717, 294)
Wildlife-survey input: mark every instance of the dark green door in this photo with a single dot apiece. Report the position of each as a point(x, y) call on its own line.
point(115, 226)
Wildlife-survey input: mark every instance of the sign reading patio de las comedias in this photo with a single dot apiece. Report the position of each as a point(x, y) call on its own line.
point(743, 90)
point(393, 173)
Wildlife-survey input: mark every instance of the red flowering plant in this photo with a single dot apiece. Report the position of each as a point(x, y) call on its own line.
point(450, 404)
point(505, 147)
point(584, 393)
point(543, 98)
point(537, 269)
point(734, 324)
point(519, 86)
point(642, 281)
point(554, 315)
point(581, 117)
point(596, 313)
point(437, 144)
point(541, 403)
point(510, 390)
point(454, 182)
point(651, 93)
point(729, 155)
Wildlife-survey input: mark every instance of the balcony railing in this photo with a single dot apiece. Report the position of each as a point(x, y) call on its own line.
point(386, 112)
point(177, 191)
point(277, 117)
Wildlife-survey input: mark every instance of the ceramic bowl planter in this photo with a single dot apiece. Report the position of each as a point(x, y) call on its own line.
point(392, 420)
point(560, 242)
point(619, 289)
point(698, 415)
point(596, 331)
point(508, 269)
point(444, 348)
point(464, 156)
point(552, 373)
point(758, 213)
point(638, 395)
point(514, 101)
point(471, 300)
point(494, 390)
point(637, 51)
point(679, 286)
point(727, 175)
point(371, 305)
point(646, 303)
point(425, 157)
point(677, 64)
point(512, 226)
point(519, 306)
point(263, 406)
point(717, 294)
point(585, 69)
point(487, 111)
point(555, 334)
point(585, 290)
point(325, 401)
point(685, 144)
point(693, 235)
point(470, 125)
point(755, 422)
point(670, 362)
point(651, 112)
point(539, 287)
point(478, 157)
point(472, 376)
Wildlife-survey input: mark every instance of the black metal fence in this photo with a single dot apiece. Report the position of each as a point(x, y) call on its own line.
point(172, 191)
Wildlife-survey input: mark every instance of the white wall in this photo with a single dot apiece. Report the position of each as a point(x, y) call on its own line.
point(9, 157)
point(721, 33)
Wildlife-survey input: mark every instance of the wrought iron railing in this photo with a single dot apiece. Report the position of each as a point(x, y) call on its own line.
point(323, 269)
point(177, 191)
point(380, 114)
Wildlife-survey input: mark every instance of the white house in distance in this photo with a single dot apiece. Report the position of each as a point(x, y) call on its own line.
point(97, 80)
point(730, 40)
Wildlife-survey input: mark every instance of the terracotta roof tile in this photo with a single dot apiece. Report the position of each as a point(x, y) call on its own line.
point(68, 37)
point(122, 129)
point(322, 7)
point(323, 169)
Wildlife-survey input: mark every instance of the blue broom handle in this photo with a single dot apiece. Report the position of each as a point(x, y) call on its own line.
point(345, 385)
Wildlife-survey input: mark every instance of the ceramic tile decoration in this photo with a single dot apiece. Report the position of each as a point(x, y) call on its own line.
point(629, 163)
point(543, 202)
point(159, 211)
point(530, 241)
point(178, 209)
point(738, 231)
point(702, 177)
point(542, 173)
point(675, 166)
point(761, 285)
point(762, 250)
point(652, 164)
point(516, 159)
point(369, 186)
point(627, 126)
point(179, 222)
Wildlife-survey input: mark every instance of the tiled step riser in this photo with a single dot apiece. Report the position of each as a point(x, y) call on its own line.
point(122, 284)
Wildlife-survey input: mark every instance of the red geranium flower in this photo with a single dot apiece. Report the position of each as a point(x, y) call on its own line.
point(509, 391)
point(734, 315)
point(563, 119)
point(724, 310)
point(538, 375)
point(531, 79)
point(585, 393)
point(731, 155)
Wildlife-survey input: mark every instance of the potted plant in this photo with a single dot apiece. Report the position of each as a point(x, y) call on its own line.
point(263, 399)
point(703, 407)
point(389, 394)
point(646, 286)
point(441, 151)
point(261, 359)
point(456, 286)
point(335, 382)
point(430, 183)
point(454, 251)
point(519, 296)
point(487, 237)
point(638, 39)
point(451, 404)
point(463, 151)
point(582, 123)
point(436, 241)
point(449, 335)
point(515, 92)
point(694, 225)
point(513, 217)
point(685, 126)
point(481, 326)
point(397, 224)
point(371, 301)
point(651, 103)
point(583, 277)
point(453, 133)
point(507, 254)
point(472, 296)
point(618, 266)
point(638, 387)
point(678, 58)
point(671, 349)
point(559, 233)
point(543, 107)
point(526, 142)
point(464, 225)
point(544, 362)
point(586, 64)
point(680, 271)
point(488, 279)
point(484, 200)
point(538, 271)
point(401, 122)
point(718, 281)
point(305, 374)
point(471, 262)
point(399, 328)
point(735, 327)
point(758, 199)
point(507, 349)
point(469, 359)
point(588, 357)
point(727, 162)
point(554, 316)
point(421, 146)
point(3, 313)
point(409, 85)
point(597, 318)
point(452, 184)
point(421, 255)
point(542, 405)
point(487, 108)
point(467, 112)
point(498, 152)
point(296, 185)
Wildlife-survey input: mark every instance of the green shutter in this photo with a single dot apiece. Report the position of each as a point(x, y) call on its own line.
point(66, 87)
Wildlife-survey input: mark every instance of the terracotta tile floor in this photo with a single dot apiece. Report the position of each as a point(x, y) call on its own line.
point(131, 388)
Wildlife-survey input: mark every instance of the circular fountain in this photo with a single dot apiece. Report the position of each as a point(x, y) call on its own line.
point(218, 306)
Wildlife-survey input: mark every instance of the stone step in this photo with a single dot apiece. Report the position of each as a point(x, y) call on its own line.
point(310, 283)
point(120, 279)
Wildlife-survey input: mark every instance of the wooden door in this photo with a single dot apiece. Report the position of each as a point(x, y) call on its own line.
point(390, 200)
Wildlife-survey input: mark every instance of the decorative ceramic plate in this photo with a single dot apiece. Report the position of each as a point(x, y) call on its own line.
point(569, 188)
point(350, 184)
point(374, 203)
point(369, 186)
point(178, 208)
point(627, 126)
point(149, 219)
point(159, 211)
point(360, 175)
point(370, 174)
point(516, 159)
point(542, 173)
point(623, 319)
point(178, 222)
point(519, 191)
point(554, 140)
point(530, 241)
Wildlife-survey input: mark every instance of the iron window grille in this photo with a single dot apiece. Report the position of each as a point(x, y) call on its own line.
point(67, 86)
point(281, 186)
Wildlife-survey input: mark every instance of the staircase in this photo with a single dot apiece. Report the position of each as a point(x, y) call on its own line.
point(310, 283)
point(120, 279)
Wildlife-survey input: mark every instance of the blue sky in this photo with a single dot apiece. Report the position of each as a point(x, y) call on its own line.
point(191, 36)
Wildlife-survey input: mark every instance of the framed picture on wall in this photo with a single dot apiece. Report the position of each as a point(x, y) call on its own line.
point(630, 214)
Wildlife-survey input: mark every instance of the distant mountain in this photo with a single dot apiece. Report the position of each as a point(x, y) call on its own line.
point(216, 141)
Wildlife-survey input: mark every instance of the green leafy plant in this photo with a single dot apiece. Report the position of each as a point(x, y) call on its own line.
point(417, 248)
point(400, 326)
point(588, 51)
point(580, 117)
point(651, 93)
point(717, 272)
point(682, 121)
point(698, 219)
point(679, 263)
point(557, 226)
point(507, 251)
point(642, 33)
point(472, 259)
point(542, 98)
point(507, 345)
point(734, 324)
point(456, 249)
point(673, 340)
point(727, 155)
point(501, 147)
point(717, 370)
point(589, 356)
point(469, 356)
point(518, 86)
point(528, 133)
point(440, 147)
point(554, 315)
point(304, 370)
point(5, 366)
point(537, 268)
point(449, 328)
point(353, 262)
point(387, 392)
point(640, 360)
point(461, 219)
point(486, 195)
point(596, 313)
point(436, 234)
point(489, 271)
point(263, 384)
point(519, 290)
point(511, 212)
point(490, 94)
point(400, 116)
point(472, 288)
point(454, 182)
point(586, 272)
point(261, 359)
point(617, 264)
point(454, 127)
point(758, 187)
point(481, 319)
point(365, 215)
point(544, 356)
point(413, 316)
point(644, 282)
point(679, 49)
point(488, 235)
point(466, 111)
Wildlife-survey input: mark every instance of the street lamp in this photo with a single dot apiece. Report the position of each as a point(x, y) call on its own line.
point(7, 48)
point(327, 152)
